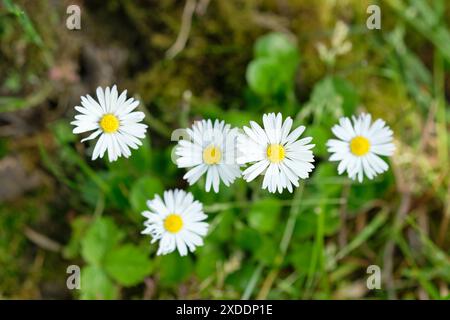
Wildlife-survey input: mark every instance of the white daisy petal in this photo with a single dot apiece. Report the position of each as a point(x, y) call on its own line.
point(294, 135)
point(360, 146)
point(92, 106)
point(211, 150)
point(93, 135)
point(101, 99)
point(83, 127)
point(195, 173)
point(113, 120)
point(177, 222)
point(255, 170)
point(99, 148)
point(275, 152)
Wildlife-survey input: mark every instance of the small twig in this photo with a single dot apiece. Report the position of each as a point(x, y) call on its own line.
point(201, 7)
point(41, 240)
point(274, 23)
point(185, 29)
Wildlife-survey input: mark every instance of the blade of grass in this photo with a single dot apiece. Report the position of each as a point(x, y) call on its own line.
point(317, 260)
point(364, 235)
point(218, 207)
point(284, 244)
point(9, 104)
point(24, 21)
point(49, 164)
point(426, 23)
point(252, 282)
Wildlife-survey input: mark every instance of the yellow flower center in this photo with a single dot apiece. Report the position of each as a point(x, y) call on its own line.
point(109, 123)
point(173, 223)
point(211, 155)
point(359, 146)
point(275, 153)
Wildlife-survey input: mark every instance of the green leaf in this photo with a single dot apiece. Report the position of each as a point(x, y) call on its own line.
point(174, 268)
point(276, 45)
point(264, 76)
point(305, 225)
point(78, 226)
point(273, 69)
point(238, 118)
point(327, 180)
point(63, 132)
point(128, 264)
point(347, 92)
point(301, 256)
point(332, 96)
point(224, 229)
point(361, 193)
point(332, 220)
point(138, 164)
point(99, 239)
point(248, 239)
point(264, 214)
point(118, 181)
point(144, 189)
point(142, 158)
point(268, 249)
point(208, 257)
point(240, 278)
point(95, 284)
point(320, 137)
point(89, 191)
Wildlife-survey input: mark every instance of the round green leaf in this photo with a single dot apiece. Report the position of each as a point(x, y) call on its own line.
point(174, 268)
point(102, 235)
point(276, 45)
point(248, 239)
point(95, 284)
point(265, 76)
point(264, 214)
point(301, 255)
point(267, 252)
point(350, 98)
point(128, 264)
point(144, 189)
point(208, 257)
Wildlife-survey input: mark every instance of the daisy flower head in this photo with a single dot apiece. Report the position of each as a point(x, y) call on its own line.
point(176, 221)
point(112, 118)
point(360, 145)
point(210, 148)
point(276, 152)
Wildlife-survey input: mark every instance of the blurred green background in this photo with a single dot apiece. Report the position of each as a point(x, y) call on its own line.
point(234, 60)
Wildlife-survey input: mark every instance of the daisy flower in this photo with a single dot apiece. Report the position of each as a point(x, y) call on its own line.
point(112, 119)
point(210, 149)
point(359, 146)
point(275, 152)
point(176, 221)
